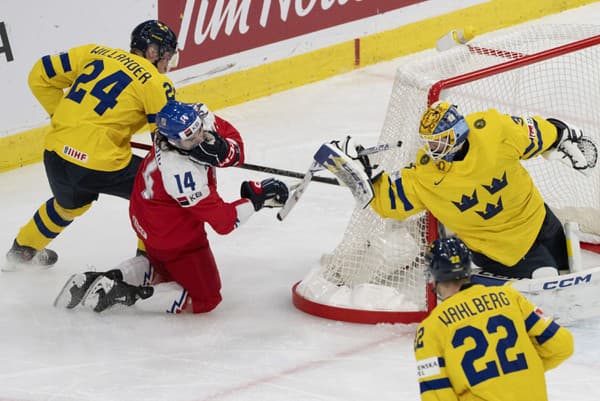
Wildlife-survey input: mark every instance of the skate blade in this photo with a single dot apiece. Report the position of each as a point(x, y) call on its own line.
point(63, 299)
point(11, 266)
point(91, 298)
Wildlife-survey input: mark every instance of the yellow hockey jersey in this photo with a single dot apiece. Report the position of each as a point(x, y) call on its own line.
point(97, 97)
point(488, 343)
point(488, 199)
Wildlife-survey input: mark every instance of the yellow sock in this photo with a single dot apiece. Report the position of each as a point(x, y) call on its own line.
point(47, 223)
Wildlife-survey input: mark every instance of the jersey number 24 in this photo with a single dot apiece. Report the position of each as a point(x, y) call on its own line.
point(105, 90)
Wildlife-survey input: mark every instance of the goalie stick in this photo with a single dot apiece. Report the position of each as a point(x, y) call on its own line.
point(322, 161)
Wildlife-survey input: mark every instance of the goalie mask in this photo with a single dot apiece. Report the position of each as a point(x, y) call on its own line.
point(449, 259)
point(181, 124)
point(443, 129)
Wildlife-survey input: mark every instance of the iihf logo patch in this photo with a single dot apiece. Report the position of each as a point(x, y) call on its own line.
point(479, 124)
point(75, 154)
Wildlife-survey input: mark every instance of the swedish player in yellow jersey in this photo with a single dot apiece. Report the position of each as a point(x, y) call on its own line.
point(483, 343)
point(469, 176)
point(97, 97)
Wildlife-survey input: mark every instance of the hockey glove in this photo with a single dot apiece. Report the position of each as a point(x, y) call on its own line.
point(350, 148)
point(215, 151)
point(266, 193)
point(566, 147)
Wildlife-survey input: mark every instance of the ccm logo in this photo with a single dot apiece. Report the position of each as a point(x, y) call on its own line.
point(567, 282)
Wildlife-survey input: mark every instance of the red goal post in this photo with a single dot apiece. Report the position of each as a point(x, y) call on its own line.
point(376, 274)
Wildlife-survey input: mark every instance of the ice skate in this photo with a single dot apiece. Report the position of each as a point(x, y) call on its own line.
point(104, 293)
point(77, 285)
point(21, 256)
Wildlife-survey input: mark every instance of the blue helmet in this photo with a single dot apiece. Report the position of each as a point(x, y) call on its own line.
point(156, 32)
point(442, 129)
point(449, 259)
point(178, 120)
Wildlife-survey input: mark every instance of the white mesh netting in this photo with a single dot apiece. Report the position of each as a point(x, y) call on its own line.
point(379, 263)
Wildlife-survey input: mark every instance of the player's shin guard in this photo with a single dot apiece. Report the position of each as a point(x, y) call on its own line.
point(47, 223)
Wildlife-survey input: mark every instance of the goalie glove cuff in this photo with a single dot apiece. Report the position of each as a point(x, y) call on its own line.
point(565, 132)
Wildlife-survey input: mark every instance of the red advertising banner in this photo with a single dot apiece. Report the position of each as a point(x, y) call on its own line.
point(209, 29)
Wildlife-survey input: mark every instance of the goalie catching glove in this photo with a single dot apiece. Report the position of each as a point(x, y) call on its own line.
point(572, 148)
point(265, 193)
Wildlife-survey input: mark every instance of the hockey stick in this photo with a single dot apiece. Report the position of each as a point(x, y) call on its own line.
point(262, 169)
point(299, 190)
point(317, 166)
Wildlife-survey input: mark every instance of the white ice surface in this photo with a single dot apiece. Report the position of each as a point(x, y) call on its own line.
point(255, 346)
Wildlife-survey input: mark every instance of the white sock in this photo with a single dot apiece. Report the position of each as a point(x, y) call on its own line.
point(136, 271)
point(168, 297)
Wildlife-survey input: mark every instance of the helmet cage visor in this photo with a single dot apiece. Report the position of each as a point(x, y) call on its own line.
point(439, 145)
point(442, 129)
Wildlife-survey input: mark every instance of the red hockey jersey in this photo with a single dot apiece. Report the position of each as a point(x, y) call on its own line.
point(173, 197)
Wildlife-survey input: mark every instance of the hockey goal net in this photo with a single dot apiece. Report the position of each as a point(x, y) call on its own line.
point(377, 272)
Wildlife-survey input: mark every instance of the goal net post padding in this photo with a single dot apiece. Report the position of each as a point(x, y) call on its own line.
point(376, 274)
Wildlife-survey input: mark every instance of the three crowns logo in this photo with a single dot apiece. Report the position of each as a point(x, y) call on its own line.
point(497, 184)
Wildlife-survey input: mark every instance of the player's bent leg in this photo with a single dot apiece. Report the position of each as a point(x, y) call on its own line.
point(197, 272)
point(171, 297)
point(552, 237)
point(168, 297)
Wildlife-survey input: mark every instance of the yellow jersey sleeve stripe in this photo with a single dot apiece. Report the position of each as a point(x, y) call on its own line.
point(391, 194)
point(65, 61)
point(151, 118)
point(400, 191)
point(48, 67)
point(435, 384)
point(531, 320)
point(540, 141)
point(548, 333)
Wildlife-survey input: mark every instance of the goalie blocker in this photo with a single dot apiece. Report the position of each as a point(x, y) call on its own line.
point(349, 171)
point(349, 163)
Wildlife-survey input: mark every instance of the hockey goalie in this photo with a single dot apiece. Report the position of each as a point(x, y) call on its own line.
point(469, 175)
